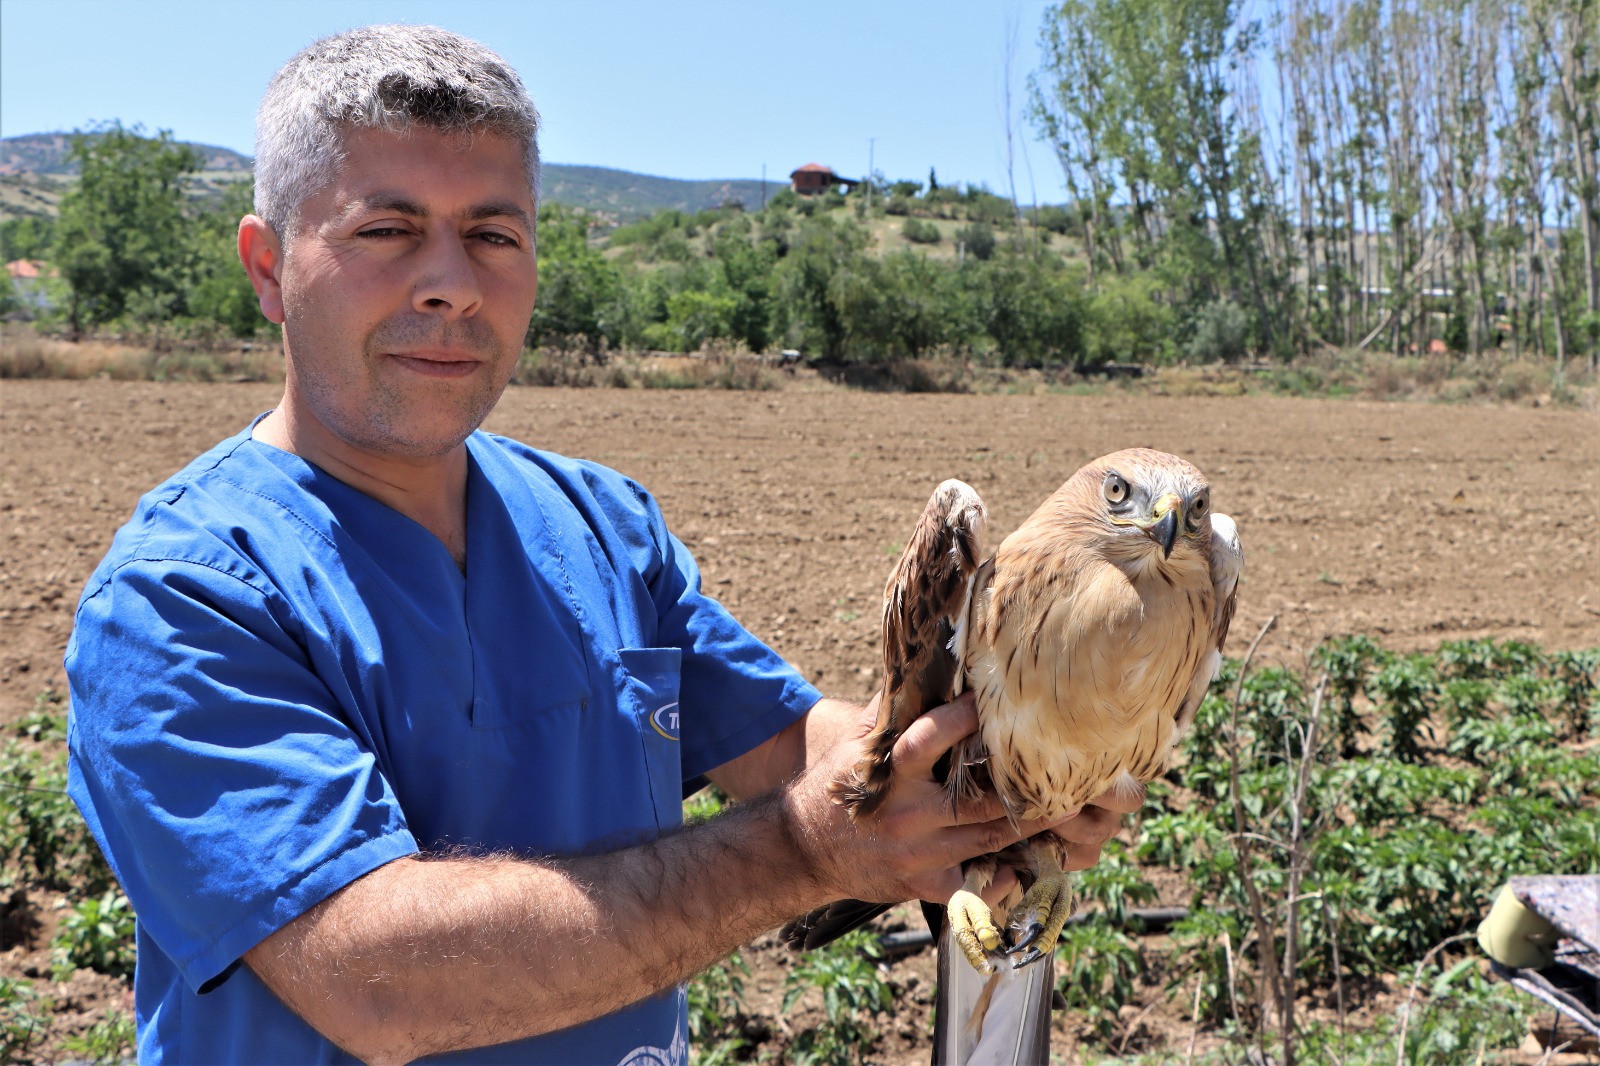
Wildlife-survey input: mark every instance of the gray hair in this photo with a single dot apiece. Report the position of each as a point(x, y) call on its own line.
point(389, 78)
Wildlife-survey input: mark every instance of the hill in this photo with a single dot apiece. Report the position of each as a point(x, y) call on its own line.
point(46, 153)
point(625, 196)
point(34, 169)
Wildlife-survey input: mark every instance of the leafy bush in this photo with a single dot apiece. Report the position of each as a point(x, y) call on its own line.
point(978, 239)
point(23, 1019)
point(1221, 333)
point(1406, 691)
point(108, 1042)
point(42, 835)
point(715, 1005)
point(1100, 960)
point(917, 231)
point(852, 990)
point(98, 935)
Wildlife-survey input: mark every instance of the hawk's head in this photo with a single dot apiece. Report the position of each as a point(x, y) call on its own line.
point(1148, 508)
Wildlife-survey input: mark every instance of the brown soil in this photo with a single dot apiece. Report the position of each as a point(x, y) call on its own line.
point(1414, 523)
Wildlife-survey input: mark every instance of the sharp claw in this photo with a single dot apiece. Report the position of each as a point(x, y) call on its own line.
point(1030, 933)
point(1031, 957)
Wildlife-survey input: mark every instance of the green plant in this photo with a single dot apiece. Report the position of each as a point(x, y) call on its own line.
point(917, 231)
point(1348, 661)
point(1221, 333)
point(1405, 692)
point(978, 239)
point(97, 934)
point(1575, 687)
point(715, 1003)
point(42, 835)
point(1100, 966)
point(704, 804)
point(23, 1019)
point(108, 1042)
point(851, 987)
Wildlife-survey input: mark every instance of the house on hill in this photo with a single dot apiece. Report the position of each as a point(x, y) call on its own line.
point(28, 281)
point(814, 178)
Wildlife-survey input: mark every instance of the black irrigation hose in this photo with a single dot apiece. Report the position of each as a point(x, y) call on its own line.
point(1145, 920)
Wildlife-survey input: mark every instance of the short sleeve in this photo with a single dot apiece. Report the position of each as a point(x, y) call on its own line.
point(212, 764)
point(737, 691)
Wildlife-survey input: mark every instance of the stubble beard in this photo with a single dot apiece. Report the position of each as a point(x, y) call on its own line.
point(372, 408)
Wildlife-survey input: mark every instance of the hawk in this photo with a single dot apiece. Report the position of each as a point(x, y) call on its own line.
point(1089, 639)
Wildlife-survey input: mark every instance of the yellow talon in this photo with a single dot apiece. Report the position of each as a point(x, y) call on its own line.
point(1036, 922)
point(972, 925)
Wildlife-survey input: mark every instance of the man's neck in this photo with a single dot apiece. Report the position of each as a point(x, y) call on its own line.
point(430, 491)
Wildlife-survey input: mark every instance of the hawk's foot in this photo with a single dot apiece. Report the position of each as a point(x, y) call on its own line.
point(972, 926)
point(1035, 923)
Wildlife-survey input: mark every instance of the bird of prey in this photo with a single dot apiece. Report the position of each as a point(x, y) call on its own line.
point(1089, 639)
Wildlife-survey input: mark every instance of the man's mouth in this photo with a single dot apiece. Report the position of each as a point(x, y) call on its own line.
point(437, 364)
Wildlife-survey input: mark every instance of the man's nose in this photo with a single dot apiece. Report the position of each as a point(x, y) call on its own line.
point(447, 280)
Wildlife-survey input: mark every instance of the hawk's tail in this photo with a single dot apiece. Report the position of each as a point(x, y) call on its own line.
point(999, 1020)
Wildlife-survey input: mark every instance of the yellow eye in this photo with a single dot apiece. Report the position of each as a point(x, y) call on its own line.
point(1116, 489)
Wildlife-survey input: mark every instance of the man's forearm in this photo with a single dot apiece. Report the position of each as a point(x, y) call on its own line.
point(425, 956)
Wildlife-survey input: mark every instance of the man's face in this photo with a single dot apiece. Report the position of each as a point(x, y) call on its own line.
point(407, 285)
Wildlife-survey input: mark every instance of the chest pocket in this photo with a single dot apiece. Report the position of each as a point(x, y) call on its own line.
point(649, 695)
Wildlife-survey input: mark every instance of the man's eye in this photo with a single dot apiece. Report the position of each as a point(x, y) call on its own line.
point(502, 239)
point(381, 231)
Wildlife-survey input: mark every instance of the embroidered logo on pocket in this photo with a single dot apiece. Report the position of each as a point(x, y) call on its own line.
point(665, 721)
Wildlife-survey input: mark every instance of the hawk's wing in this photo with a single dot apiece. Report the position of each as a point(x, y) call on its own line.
point(924, 610)
point(1227, 563)
point(924, 619)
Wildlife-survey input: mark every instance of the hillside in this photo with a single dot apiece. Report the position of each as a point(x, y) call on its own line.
point(626, 196)
point(46, 153)
point(34, 171)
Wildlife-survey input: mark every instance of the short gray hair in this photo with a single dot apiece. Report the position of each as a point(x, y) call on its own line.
point(389, 78)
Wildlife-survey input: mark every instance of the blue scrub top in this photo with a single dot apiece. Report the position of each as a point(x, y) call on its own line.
point(279, 684)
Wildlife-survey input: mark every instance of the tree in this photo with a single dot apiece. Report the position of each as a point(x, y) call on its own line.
point(28, 237)
point(579, 291)
point(121, 232)
point(218, 287)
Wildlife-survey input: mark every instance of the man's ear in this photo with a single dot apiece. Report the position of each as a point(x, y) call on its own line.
point(261, 252)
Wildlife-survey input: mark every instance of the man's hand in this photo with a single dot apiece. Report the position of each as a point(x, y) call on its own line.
point(913, 845)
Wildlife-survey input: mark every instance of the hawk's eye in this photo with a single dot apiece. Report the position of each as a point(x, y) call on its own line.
point(1116, 489)
point(1197, 511)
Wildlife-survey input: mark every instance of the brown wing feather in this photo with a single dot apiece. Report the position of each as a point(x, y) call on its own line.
point(923, 603)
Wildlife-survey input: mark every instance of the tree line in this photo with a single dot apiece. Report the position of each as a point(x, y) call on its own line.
point(1402, 173)
point(132, 245)
point(1428, 170)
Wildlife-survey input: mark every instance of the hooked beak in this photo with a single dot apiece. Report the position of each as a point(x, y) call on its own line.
point(1168, 519)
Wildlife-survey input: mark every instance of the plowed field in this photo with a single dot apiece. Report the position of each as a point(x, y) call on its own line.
point(1415, 523)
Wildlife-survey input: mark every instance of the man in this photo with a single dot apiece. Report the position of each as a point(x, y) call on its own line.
point(384, 723)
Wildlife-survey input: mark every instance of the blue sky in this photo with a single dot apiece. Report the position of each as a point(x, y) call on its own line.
point(701, 89)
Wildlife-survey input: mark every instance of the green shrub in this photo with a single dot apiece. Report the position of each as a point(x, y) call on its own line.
point(24, 1019)
point(97, 935)
point(1221, 333)
point(917, 231)
point(42, 836)
point(108, 1042)
point(852, 990)
point(978, 239)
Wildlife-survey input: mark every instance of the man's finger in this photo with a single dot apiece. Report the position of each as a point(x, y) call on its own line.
point(933, 734)
point(1092, 825)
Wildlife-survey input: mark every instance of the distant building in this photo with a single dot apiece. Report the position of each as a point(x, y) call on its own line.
point(814, 178)
point(28, 277)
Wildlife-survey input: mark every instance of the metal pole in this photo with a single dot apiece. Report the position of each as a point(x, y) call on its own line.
point(872, 143)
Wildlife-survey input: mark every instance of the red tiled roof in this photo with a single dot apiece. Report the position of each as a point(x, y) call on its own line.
point(29, 268)
point(816, 167)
